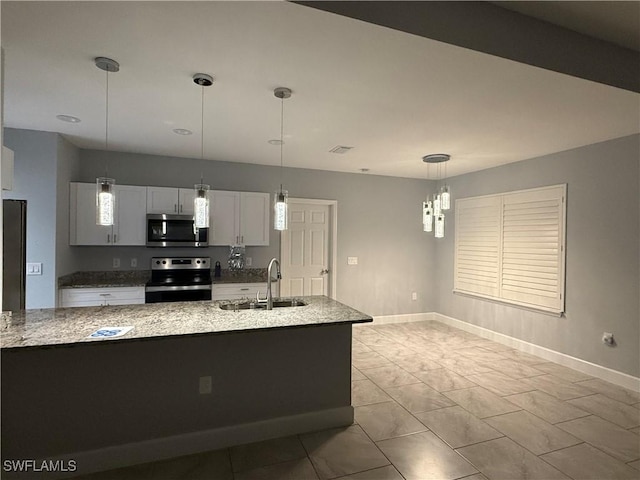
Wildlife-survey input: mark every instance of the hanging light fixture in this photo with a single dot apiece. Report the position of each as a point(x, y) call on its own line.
point(105, 199)
point(282, 196)
point(433, 209)
point(201, 197)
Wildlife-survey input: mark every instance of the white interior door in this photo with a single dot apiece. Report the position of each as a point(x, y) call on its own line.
point(305, 251)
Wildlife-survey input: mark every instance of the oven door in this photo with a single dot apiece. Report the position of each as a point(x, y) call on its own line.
point(175, 231)
point(177, 293)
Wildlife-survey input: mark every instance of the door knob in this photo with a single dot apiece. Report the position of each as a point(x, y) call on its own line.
point(324, 272)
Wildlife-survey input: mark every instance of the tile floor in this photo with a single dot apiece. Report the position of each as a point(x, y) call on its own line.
point(434, 402)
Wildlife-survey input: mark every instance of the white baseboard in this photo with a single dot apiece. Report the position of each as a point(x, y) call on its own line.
point(409, 317)
point(201, 441)
point(608, 374)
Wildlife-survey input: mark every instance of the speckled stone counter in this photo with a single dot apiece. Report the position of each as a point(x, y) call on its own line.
point(247, 275)
point(63, 326)
point(127, 278)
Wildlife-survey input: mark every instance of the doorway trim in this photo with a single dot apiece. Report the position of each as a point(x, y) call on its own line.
point(333, 238)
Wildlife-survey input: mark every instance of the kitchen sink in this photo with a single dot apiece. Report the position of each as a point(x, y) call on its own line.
point(261, 306)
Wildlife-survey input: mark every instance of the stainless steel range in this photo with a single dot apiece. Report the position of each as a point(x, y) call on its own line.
point(179, 279)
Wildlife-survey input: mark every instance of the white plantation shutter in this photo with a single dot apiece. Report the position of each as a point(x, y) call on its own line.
point(478, 245)
point(510, 247)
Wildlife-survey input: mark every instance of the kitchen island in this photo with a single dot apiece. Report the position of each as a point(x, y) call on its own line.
point(109, 402)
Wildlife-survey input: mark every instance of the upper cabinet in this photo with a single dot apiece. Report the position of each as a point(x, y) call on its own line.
point(178, 201)
point(239, 218)
point(129, 218)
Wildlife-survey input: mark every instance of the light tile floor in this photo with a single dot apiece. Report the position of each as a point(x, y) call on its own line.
point(435, 402)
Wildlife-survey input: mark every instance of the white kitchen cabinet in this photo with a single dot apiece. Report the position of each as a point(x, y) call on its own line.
point(95, 297)
point(239, 218)
point(129, 217)
point(238, 291)
point(177, 201)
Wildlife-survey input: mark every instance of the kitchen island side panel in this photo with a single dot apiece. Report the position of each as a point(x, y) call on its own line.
point(68, 399)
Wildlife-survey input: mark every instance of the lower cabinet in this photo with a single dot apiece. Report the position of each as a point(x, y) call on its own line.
point(238, 291)
point(95, 297)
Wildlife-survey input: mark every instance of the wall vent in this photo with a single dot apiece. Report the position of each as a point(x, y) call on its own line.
point(340, 149)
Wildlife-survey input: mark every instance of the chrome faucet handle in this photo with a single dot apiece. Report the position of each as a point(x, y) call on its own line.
point(261, 300)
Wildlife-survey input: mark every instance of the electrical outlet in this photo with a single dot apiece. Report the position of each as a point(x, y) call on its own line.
point(116, 262)
point(205, 386)
point(134, 262)
point(607, 339)
point(352, 260)
point(414, 295)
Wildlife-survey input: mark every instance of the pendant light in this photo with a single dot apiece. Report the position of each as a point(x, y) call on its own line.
point(433, 209)
point(201, 197)
point(105, 198)
point(280, 221)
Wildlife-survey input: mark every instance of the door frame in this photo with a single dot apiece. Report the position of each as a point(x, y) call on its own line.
point(333, 238)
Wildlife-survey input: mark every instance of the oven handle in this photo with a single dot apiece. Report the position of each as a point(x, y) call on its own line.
point(174, 288)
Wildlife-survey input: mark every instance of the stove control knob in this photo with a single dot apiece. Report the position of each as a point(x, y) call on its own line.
point(204, 261)
point(198, 261)
point(164, 262)
point(157, 262)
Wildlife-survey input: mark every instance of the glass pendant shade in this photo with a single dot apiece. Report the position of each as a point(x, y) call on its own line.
point(439, 226)
point(201, 206)
point(280, 210)
point(445, 197)
point(427, 216)
point(105, 202)
point(437, 205)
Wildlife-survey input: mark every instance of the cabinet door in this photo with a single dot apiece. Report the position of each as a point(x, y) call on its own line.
point(82, 225)
point(224, 214)
point(186, 196)
point(130, 218)
point(254, 218)
point(162, 200)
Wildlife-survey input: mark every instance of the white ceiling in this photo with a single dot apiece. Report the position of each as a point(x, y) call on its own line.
point(392, 96)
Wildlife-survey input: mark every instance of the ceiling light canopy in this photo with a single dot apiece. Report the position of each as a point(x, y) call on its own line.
point(68, 118)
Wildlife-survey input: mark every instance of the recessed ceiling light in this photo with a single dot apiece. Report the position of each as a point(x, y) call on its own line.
point(436, 158)
point(276, 142)
point(68, 118)
point(182, 131)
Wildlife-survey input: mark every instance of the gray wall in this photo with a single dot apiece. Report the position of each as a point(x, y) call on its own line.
point(68, 167)
point(35, 181)
point(378, 221)
point(602, 254)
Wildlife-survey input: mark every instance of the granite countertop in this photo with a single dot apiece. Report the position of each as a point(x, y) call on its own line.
point(139, 278)
point(67, 326)
point(126, 278)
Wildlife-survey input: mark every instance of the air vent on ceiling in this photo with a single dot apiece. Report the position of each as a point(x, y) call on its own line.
point(340, 149)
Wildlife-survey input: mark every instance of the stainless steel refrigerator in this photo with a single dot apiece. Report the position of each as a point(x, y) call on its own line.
point(14, 242)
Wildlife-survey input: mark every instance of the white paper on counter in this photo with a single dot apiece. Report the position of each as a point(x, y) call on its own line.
point(110, 332)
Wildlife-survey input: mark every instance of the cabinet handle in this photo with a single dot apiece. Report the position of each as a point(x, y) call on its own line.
point(242, 239)
point(175, 207)
point(108, 238)
point(244, 289)
point(180, 208)
point(115, 238)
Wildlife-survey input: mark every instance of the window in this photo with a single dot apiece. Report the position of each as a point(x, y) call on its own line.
point(510, 247)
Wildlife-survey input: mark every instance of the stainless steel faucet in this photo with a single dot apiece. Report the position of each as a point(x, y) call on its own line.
point(270, 279)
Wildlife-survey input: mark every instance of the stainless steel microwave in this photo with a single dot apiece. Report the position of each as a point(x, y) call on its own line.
point(165, 230)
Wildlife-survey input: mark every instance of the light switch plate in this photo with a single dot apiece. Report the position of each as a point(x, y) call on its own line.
point(352, 260)
point(34, 268)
